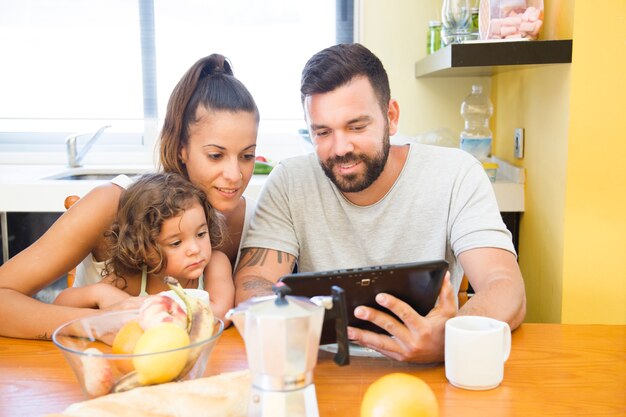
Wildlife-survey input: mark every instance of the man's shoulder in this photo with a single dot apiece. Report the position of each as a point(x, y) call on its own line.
point(298, 165)
point(293, 171)
point(299, 160)
point(440, 159)
point(443, 152)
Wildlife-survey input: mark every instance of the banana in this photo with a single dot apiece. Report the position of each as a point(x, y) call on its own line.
point(199, 327)
point(199, 322)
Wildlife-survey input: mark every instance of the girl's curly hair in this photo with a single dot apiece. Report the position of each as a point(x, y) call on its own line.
point(144, 206)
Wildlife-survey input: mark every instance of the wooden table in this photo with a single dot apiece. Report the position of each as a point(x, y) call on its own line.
point(553, 370)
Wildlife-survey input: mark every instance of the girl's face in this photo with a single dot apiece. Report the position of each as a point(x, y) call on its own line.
point(220, 155)
point(186, 243)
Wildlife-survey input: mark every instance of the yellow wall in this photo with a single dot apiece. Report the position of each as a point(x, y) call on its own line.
point(538, 99)
point(573, 224)
point(594, 275)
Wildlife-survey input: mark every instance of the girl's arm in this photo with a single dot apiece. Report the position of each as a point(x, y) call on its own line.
point(76, 297)
point(100, 295)
point(218, 281)
point(77, 232)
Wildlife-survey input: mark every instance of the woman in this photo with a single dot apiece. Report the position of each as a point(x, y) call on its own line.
point(209, 136)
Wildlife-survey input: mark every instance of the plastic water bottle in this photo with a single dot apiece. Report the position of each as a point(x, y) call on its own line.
point(476, 137)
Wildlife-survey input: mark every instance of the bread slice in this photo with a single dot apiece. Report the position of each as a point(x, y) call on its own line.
point(224, 395)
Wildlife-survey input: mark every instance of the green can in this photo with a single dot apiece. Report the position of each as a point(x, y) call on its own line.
point(474, 22)
point(433, 39)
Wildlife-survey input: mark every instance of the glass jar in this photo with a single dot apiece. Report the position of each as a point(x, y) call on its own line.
point(456, 18)
point(510, 19)
point(433, 38)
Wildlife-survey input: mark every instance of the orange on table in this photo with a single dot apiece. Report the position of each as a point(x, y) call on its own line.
point(399, 395)
point(124, 343)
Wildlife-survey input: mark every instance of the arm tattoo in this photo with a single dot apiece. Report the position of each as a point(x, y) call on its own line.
point(252, 284)
point(44, 336)
point(258, 256)
point(258, 286)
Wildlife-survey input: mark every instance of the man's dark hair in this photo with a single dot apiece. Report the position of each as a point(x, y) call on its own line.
point(336, 66)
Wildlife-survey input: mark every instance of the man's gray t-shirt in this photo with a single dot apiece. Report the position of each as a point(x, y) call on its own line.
point(441, 205)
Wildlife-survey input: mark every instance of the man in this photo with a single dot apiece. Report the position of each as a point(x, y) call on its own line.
point(359, 201)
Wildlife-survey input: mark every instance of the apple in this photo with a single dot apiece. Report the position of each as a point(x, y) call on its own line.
point(97, 373)
point(157, 309)
point(260, 158)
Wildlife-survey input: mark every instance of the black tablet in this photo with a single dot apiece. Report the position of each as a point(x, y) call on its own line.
point(416, 283)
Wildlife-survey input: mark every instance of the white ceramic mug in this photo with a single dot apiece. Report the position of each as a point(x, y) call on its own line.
point(201, 294)
point(475, 351)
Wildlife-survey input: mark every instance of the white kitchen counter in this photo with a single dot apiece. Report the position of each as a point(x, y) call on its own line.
point(26, 188)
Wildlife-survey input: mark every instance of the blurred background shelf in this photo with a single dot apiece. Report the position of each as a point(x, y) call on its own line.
point(487, 58)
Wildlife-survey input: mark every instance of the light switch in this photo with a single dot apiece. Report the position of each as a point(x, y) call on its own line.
point(518, 147)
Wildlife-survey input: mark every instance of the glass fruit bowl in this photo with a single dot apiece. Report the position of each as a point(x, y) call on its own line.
point(90, 346)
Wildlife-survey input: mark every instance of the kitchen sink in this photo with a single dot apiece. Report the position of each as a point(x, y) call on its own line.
point(102, 173)
point(90, 177)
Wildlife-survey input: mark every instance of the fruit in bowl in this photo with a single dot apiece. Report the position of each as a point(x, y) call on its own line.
point(160, 342)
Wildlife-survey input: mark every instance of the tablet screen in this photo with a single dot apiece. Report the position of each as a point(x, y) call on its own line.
point(417, 283)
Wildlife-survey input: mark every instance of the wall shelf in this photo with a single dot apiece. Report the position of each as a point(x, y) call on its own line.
point(488, 58)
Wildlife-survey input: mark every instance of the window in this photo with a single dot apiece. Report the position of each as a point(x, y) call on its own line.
point(75, 65)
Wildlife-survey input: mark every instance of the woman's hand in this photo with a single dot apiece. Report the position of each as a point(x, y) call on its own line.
point(413, 338)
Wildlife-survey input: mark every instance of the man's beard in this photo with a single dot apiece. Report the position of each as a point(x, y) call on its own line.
point(353, 183)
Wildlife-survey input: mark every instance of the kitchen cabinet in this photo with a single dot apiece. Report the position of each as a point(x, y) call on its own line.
point(511, 220)
point(488, 58)
point(20, 230)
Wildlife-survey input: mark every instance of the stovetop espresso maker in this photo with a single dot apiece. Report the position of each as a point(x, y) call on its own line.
point(282, 335)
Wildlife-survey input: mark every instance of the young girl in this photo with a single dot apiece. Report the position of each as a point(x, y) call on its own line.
point(165, 226)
